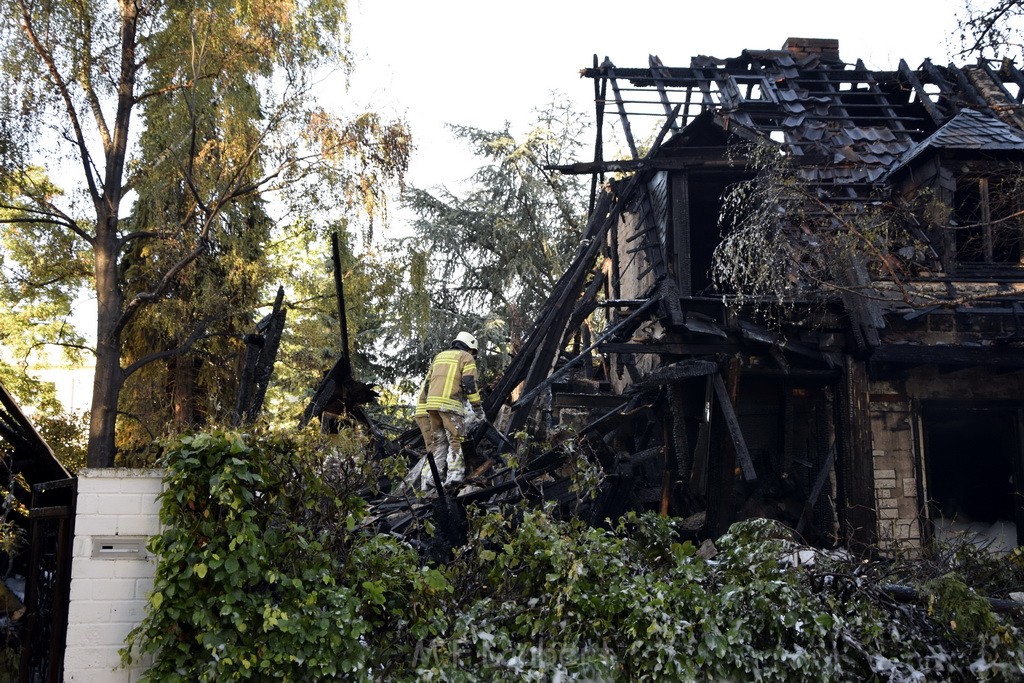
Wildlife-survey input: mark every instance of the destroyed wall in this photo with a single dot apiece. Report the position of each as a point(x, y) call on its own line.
point(907, 467)
point(857, 408)
point(633, 278)
point(897, 506)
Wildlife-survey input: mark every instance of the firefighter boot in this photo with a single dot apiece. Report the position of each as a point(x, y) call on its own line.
point(455, 465)
point(440, 451)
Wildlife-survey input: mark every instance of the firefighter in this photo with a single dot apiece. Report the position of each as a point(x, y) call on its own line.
point(451, 382)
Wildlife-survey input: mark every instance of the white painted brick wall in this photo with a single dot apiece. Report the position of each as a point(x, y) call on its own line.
point(108, 597)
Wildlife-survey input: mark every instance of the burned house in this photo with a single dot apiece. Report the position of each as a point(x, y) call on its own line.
point(878, 401)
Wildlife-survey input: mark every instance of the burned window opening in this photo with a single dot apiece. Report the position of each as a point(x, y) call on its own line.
point(973, 463)
point(697, 229)
point(986, 232)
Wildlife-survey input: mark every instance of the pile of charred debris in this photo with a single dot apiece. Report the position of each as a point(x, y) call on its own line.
point(646, 449)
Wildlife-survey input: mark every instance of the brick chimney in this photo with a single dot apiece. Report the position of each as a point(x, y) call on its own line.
point(826, 49)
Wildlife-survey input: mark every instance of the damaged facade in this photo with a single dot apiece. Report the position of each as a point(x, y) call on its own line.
point(880, 409)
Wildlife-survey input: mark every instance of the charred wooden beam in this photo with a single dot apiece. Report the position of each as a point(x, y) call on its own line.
point(339, 291)
point(685, 369)
point(638, 165)
point(721, 464)
point(967, 89)
point(600, 89)
point(864, 318)
point(527, 399)
point(669, 348)
point(726, 400)
point(623, 411)
point(855, 475)
point(993, 356)
point(819, 484)
point(567, 400)
point(549, 333)
point(609, 69)
point(757, 333)
point(40, 462)
point(523, 361)
point(260, 356)
point(587, 304)
point(937, 117)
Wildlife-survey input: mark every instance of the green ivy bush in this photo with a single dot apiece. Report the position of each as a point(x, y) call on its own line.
point(268, 571)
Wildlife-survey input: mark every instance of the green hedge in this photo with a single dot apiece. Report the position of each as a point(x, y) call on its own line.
point(265, 573)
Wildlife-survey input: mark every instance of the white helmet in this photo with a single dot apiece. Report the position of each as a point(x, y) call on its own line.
point(467, 339)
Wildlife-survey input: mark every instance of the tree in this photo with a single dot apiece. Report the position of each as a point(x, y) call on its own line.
point(991, 27)
point(312, 341)
point(485, 260)
point(36, 265)
point(172, 118)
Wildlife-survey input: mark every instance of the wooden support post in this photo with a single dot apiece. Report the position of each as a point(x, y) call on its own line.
point(855, 474)
point(727, 400)
point(722, 461)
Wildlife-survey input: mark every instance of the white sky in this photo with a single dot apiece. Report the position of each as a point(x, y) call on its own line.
point(481, 62)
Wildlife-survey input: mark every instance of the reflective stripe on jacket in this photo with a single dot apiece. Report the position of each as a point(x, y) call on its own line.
point(444, 382)
point(421, 401)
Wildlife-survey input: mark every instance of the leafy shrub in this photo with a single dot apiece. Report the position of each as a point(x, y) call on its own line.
point(269, 570)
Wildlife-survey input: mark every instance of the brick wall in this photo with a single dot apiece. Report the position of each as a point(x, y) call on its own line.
point(824, 48)
point(110, 578)
point(896, 499)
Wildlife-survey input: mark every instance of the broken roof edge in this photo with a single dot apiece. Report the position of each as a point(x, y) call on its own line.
point(937, 141)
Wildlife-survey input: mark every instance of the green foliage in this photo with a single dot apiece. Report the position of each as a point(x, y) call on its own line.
point(267, 570)
point(484, 258)
point(245, 588)
point(953, 602)
point(191, 116)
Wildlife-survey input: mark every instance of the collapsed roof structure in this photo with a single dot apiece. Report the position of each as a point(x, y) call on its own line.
point(876, 399)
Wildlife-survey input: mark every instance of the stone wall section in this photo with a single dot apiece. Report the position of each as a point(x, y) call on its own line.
point(896, 492)
point(111, 574)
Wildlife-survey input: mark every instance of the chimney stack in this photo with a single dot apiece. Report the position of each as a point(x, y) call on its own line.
point(826, 49)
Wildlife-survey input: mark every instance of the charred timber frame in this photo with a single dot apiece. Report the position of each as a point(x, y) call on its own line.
point(542, 346)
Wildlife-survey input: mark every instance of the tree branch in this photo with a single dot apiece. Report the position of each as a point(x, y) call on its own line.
point(65, 93)
point(182, 348)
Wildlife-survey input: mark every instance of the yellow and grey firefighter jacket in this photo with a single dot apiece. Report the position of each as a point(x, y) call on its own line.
point(451, 382)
